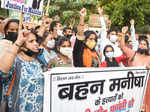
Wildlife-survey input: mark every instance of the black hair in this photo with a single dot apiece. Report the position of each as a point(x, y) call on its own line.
point(53, 24)
point(10, 21)
point(113, 28)
point(62, 39)
point(37, 27)
point(142, 37)
point(38, 37)
point(88, 33)
point(1, 18)
point(126, 38)
point(66, 28)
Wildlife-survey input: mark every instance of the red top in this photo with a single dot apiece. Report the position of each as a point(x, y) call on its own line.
point(119, 59)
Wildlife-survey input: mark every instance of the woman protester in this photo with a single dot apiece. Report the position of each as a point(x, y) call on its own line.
point(27, 92)
point(84, 53)
point(64, 53)
point(110, 59)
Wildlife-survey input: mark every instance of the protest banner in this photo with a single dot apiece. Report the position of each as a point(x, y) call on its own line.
point(33, 7)
point(95, 89)
point(14, 14)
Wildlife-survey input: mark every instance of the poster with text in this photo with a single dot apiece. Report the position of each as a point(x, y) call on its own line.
point(33, 7)
point(95, 89)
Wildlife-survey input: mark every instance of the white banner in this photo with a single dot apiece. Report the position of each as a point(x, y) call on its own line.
point(95, 89)
point(34, 7)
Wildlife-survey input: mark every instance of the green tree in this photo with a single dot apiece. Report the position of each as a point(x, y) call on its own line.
point(68, 10)
point(122, 11)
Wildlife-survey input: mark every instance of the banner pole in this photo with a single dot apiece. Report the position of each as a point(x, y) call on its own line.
point(47, 7)
point(21, 21)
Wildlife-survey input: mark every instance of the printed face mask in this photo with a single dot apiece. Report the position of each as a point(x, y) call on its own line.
point(91, 45)
point(110, 54)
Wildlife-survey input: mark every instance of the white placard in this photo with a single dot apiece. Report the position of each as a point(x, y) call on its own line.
point(95, 89)
point(33, 7)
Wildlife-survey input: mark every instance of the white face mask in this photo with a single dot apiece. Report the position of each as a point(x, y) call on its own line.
point(113, 38)
point(51, 44)
point(110, 54)
point(67, 51)
point(85, 29)
point(60, 32)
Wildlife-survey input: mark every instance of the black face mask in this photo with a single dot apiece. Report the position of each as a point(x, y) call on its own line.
point(32, 53)
point(12, 36)
point(69, 36)
point(143, 51)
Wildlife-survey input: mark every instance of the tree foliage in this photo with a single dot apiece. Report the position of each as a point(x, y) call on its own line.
point(120, 11)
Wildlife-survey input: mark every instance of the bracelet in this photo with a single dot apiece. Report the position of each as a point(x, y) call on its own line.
point(81, 24)
point(17, 45)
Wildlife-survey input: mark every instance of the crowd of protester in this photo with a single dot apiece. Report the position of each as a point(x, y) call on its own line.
point(38, 48)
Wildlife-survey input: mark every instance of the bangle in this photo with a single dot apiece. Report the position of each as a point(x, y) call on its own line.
point(17, 45)
point(81, 24)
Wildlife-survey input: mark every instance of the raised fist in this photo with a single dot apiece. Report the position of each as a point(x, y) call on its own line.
point(83, 12)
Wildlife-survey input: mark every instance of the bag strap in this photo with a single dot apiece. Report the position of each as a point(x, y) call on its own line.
point(11, 84)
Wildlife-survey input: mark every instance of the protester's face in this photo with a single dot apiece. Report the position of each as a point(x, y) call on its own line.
point(31, 43)
point(49, 37)
point(66, 44)
point(65, 49)
point(91, 38)
point(13, 27)
point(59, 26)
point(130, 44)
point(57, 18)
point(47, 23)
point(109, 53)
point(68, 32)
point(113, 33)
point(143, 45)
point(109, 49)
point(91, 41)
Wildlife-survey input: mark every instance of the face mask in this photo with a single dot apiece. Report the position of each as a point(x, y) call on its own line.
point(110, 54)
point(67, 51)
point(32, 53)
point(142, 51)
point(113, 38)
point(91, 45)
point(60, 32)
point(12, 36)
point(69, 36)
point(51, 44)
point(85, 30)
